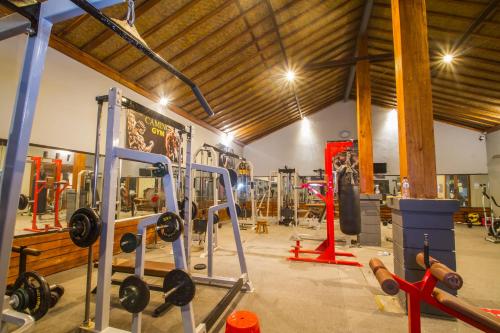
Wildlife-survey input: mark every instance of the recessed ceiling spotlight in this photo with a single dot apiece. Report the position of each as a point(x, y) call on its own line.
point(164, 101)
point(290, 75)
point(448, 58)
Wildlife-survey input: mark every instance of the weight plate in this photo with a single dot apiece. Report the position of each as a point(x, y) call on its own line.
point(216, 218)
point(34, 294)
point(129, 242)
point(185, 291)
point(134, 294)
point(194, 208)
point(238, 210)
point(23, 202)
point(169, 227)
point(233, 178)
point(200, 267)
point(84, 227)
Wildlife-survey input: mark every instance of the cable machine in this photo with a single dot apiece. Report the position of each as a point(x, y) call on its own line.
point(288, 199)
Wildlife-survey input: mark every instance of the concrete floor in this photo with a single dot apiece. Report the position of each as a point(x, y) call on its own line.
point(298, 297)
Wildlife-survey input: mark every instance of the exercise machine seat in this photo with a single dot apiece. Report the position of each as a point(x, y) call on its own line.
point(151, 268)
point(468, 310)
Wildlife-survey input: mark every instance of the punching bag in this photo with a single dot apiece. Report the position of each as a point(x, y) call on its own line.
point(349, 210)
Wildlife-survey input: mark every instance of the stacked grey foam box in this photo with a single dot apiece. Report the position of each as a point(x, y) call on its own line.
point(370, 220)
point(411, 219)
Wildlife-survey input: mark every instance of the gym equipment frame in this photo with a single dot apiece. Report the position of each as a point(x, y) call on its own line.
point(113, 155)
point(327, 254)
point(41, 17)
point(293, 177)
point(425, 291)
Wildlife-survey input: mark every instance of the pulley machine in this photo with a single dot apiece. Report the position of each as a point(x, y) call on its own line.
point(288, 199)
point(327, 254)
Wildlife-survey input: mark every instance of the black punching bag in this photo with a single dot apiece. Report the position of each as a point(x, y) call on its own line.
point(349, 210)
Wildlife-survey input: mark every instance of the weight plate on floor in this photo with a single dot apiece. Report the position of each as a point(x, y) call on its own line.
point(84, 227)
point(169, 227)
point(31, 295)
point(134, 294)
point(184, 285)
point(200, 267)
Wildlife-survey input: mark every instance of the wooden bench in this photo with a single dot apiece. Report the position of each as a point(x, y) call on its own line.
point(151, 268)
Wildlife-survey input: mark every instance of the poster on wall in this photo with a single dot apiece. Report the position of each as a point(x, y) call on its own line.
point(151, 135)
point(346, 163)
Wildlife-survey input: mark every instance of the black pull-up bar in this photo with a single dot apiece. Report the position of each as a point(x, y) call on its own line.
point(108, 22)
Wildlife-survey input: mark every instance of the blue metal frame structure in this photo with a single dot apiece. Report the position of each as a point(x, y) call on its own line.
point(51, 12)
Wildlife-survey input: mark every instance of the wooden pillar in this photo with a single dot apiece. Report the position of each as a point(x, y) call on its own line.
point(417, 155)
point(78, 165)
point(364, 116)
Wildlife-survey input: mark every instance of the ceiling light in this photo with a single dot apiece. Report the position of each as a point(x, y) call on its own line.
point(164, 101)
point(448, 58)
point(290, 75)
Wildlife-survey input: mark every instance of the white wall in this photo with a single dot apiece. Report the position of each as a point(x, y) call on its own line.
point(66, 110)
point(493, 150)
point(300, 145)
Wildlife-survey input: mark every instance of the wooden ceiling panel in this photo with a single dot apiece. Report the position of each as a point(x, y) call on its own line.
point(231, 49)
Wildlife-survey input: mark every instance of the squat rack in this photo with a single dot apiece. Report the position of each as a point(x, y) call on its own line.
point(37, 20)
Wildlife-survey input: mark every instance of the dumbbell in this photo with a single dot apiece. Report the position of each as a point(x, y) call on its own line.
point(56, 292)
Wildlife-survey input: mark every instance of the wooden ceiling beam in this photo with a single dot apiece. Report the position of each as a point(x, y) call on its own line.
point(71, 51)
point(349, 61)
point(319, 34)
point(255, 84)
point(263, 133)
point(72, 25)
point(226, 44)
point(367, 13)
point(260, 89)
point(159, 48)
point(247, 115)
point(317, 27)
point(167, 20)
point(309, 104)
point(270, 127)
point(106, 34)
point(194, 46)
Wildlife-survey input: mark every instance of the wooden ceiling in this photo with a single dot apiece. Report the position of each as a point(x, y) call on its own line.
point(238, 50)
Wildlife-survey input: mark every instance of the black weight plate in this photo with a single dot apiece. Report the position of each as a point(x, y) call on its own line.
point(38, 292)
point(134, 294)
point(185, 293)
point(194, 208)
point(84, 227)
point(169, 227)
point(233, 178)
point(129, 242)
point(200, 267)
point(216, 218)
point(23, 202)
point(238, 210)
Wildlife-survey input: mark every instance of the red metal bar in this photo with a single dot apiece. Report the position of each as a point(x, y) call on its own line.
point(39, 186)
point(59, 187)
point(421, 291)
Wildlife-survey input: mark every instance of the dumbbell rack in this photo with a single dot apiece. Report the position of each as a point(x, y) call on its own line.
point(113, 155)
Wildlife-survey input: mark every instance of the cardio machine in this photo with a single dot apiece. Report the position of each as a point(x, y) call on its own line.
point(492, 223)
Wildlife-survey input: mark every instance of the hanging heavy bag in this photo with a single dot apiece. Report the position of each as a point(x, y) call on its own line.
point(349, 210)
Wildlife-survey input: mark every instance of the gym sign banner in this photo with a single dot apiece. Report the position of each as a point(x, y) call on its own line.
point(151, 135)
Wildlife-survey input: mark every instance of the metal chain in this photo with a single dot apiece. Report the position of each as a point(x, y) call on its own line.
point(131, 13)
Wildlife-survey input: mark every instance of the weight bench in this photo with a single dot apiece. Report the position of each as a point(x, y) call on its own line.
point(425, 291)
point(151, 268)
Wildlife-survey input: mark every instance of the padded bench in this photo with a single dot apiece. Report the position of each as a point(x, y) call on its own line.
point(468, 310)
